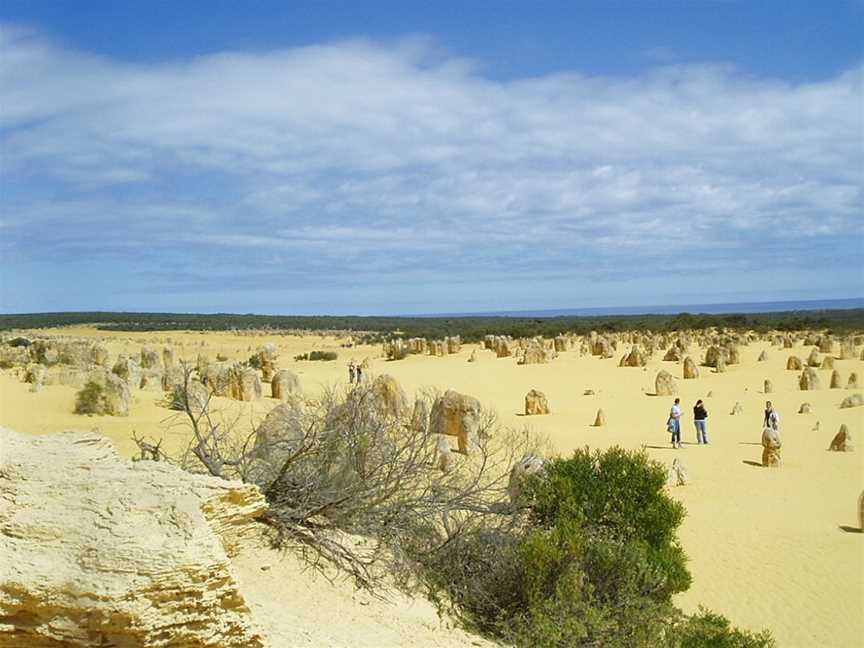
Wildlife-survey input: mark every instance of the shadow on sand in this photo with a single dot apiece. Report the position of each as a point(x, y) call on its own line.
point(752, 463)
point(850, 529)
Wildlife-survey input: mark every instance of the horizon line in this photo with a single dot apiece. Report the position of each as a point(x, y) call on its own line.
point(804, 305)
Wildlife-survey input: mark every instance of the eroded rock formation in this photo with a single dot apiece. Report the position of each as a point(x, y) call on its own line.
point(99, 552)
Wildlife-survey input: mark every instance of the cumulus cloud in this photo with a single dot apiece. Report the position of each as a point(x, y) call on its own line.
point(387, 160)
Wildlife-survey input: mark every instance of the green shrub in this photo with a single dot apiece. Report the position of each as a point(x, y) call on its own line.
point(318, 355)
point(254, 361)
point(6, 364)
point(19, 342)
point(91, 399)
point(708, 630)
point(595, 564)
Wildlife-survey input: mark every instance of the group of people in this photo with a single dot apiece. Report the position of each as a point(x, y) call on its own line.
point(700, 421)
point(355, 373)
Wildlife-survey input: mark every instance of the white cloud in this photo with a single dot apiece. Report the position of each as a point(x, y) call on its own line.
point(363, 148)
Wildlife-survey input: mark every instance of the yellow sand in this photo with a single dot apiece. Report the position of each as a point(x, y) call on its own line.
point(767, 547)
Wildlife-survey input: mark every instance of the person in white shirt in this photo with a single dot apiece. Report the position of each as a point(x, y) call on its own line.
point(675, 423)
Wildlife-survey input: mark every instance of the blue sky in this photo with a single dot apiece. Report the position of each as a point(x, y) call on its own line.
point(326, 157)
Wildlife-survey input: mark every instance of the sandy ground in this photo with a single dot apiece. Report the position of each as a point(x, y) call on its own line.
point(768, 548)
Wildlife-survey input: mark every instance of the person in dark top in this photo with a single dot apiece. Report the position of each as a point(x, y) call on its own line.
point(772, 418)
point(700, 420)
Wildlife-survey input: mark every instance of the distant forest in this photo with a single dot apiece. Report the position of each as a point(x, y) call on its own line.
point(469, 328)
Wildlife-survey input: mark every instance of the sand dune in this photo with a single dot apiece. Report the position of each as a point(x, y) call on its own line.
point(767, 547)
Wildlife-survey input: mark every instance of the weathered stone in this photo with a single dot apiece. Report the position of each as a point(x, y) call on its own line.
point(99, 354)
point(852, 383)
point(691, 371)
point(842, 441)
point(600, 419)
point(794, 363)
point(527, 466)
point(720, 365)
point(536, 403)
point(173, 376)
point(768, 386)
point(855, 400)
point(636, 358)
point(420, 415)
point(771, 448)
point(737, 409)
point(836, 380)
point(813, 358)
point(732, 355)
point(101, 552)
point(445, 458)
point(809, 380)
point(806, 408)
point(677, 474)
point(473, 356)
point(168, 357)
point(150, 358)
point(713, 355)
point(283, 384)
point(664, 384)
point(827, 363)
point(389, 396)
point(762, 357)
point(457, 415)
point(246, 385)
point(674, 354)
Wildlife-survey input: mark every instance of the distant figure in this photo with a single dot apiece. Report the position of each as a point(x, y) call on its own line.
point(359, 372)
point(700, 416)
point(352, 371)
point(674, 423)
point(772, 418)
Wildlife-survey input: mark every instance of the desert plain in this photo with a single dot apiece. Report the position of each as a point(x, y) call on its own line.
point(769, 548)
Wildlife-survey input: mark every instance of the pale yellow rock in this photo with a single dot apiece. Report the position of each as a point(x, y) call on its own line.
point(390, 396)
point(664, 384)
point(98, 551)
point(842, 441)
point(690, 369)
point(457, 415)
point(536, 403)
point(771, 448)
point(527, 466)
point(283, 384)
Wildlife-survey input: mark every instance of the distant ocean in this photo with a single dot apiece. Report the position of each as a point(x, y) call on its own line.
point(695, 309)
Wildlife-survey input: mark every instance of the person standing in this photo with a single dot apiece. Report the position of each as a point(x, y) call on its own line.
point(674, 424)
point(772, 418)
point(700, 416)
point(359, 371)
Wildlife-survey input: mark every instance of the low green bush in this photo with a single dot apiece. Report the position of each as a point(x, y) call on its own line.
point(90, 400)
point(19, 342)
point(596, 563)
point(318, 355)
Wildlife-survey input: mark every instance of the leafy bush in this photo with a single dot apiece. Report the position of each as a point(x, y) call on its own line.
point(6, 364)
point(254, 361)
point(90, 400)
point(318, 355)
point(221, 357)
point(708, 629)
point(595, 564)
point(19, 342)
